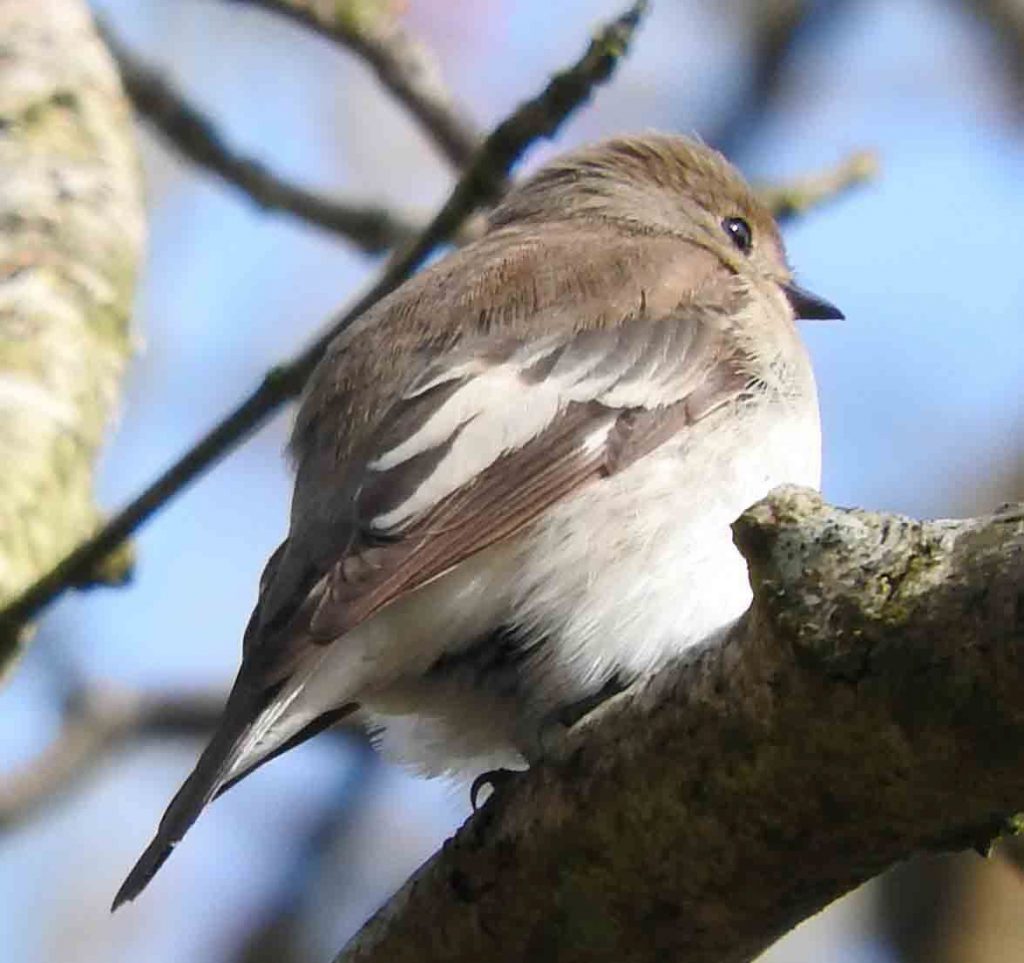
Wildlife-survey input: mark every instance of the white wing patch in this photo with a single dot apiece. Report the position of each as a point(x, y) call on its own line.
point(506, 402)
point(494, 413)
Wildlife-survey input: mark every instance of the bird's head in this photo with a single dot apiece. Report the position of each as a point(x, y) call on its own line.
point(663, 184)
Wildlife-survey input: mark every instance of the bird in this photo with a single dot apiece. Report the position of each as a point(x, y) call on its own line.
point(515, 475)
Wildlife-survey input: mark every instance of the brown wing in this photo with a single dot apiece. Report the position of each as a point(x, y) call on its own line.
point(484, 442)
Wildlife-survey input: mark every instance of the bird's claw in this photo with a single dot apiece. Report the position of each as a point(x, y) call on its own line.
point(495, 778)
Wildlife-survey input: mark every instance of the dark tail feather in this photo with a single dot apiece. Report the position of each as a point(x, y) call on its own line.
point(314, 728)
point(190, 800)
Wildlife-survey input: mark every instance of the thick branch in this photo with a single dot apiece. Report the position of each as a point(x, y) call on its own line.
point(867, 708)
point(370, 227)
point(71, 233)
point(403, 66)
point(483, 181)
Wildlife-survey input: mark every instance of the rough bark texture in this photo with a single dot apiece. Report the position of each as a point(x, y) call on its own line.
point(870, 706)
point(71, 229)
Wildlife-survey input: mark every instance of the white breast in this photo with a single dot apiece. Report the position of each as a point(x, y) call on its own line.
point(622, 576)
point(642, 565)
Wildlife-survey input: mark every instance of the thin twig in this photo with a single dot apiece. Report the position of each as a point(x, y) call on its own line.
point(97, 720)
point(372, 228)
point(791, 199)
point(483, 181)
point(402, 65)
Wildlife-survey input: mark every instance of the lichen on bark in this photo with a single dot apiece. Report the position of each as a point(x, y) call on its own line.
point(71, 237)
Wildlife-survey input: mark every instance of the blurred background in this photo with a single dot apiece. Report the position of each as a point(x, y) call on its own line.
point(920, 390)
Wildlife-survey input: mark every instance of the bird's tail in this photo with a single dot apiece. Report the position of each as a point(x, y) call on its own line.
point(211, 772)
point(255, 728)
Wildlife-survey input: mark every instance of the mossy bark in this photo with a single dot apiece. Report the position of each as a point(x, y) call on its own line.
point(71, 237)
point(868, 707)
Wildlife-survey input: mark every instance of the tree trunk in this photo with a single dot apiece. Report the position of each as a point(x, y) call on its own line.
point(71, 236)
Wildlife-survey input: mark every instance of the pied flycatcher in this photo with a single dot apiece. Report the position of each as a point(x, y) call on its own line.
point(516, 473)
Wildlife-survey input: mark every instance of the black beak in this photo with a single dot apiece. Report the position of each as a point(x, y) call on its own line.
point(809, 307)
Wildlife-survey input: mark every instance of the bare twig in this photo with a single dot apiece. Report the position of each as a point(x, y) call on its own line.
point(790, 199)
point(96, 721)
point(403, 65)
point(482, 182)
point(372, 228)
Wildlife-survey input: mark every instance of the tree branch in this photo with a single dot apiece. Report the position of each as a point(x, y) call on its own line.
point(482, 183)
point(791, 199)
point(96, 721)
point(868, 707)
point(404, 66)
point(71, 237)
point(372, 228)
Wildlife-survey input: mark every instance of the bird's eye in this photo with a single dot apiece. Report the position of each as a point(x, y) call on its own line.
point(739, 233)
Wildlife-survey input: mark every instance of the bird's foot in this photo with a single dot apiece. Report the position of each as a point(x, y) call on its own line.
point(496, 779)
